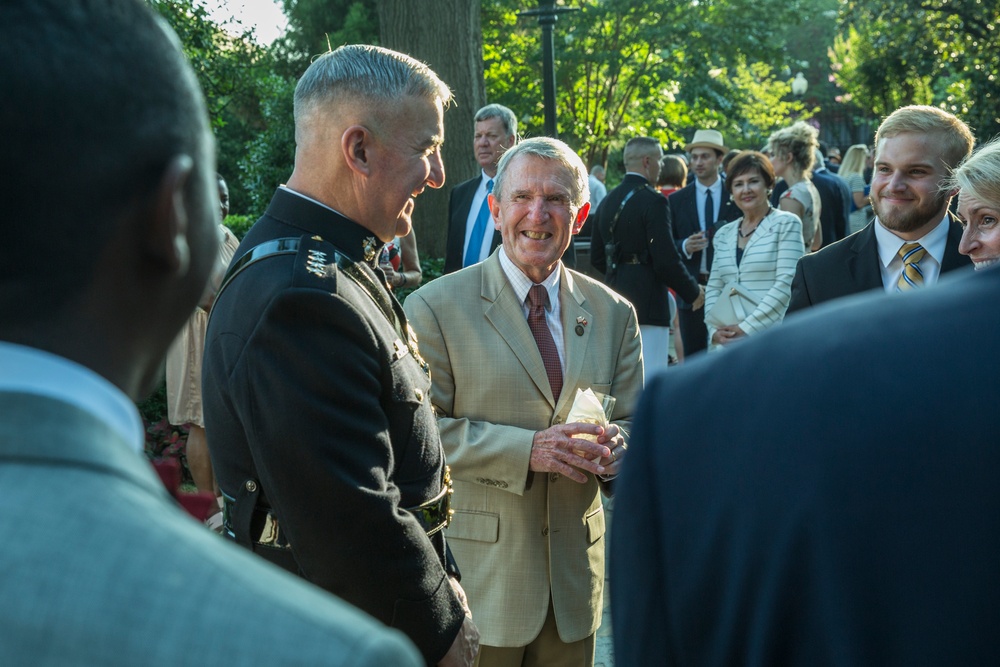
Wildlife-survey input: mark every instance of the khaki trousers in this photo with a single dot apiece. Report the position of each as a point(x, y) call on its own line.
point(546, 650)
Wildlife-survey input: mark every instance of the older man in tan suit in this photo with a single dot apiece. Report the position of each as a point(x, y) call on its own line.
point(509, 341)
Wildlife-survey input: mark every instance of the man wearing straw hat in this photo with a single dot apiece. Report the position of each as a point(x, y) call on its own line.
point(696, 210)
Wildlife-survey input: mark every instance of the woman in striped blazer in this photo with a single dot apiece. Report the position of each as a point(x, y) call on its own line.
point(759, 252)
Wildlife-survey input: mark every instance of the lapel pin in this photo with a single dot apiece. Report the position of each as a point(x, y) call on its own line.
point(581, 322)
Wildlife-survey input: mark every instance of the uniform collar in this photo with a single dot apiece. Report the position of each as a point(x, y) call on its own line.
point(314, 217)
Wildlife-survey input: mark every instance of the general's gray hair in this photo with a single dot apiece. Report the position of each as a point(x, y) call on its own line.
point(372, 74)
point(547, 149)
point(505, 115)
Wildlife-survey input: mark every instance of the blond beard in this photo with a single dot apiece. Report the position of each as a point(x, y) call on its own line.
point(905, 223)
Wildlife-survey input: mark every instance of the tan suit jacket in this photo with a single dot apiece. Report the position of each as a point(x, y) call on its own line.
point(516, 543)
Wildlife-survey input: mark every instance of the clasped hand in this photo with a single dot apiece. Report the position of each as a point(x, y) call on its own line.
point(727, 335)
point(556, 450)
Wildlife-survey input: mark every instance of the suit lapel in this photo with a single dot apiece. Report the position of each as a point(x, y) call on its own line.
point(456, 227)
point(575, 341)
point(503, 310)
point(864, 262)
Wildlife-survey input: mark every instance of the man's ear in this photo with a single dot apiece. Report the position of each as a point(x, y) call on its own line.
point(581, 217)
point(166, 231)
point(356, 143)
point(494, 210)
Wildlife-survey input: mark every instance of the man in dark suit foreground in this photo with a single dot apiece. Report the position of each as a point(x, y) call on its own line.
point(111, 233)
point(913, 238)
point(861, 533)
point(317, 402)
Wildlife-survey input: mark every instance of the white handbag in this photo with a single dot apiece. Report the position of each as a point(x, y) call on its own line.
point(735, 302)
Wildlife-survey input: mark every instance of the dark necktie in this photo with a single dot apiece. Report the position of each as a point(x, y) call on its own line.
point(538, 299)
point(709, 210)
point(479, 229)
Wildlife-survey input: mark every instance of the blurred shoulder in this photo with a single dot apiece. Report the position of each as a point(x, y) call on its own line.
point(595, 291)
point(451, 286)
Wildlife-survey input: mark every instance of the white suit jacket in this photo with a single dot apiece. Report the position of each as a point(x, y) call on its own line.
point(516, 543)
point(767, 267)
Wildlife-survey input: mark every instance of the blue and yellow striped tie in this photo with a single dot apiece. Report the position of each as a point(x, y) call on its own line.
point(912, 276)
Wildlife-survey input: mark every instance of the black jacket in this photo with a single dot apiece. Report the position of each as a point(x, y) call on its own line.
point(684, 222)
point(648, 262)
point(851, 265)
point(459, 204)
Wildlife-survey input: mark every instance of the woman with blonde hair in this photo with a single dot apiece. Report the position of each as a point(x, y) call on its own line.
point(978, 183)
point(792, 151)
point(852, 170)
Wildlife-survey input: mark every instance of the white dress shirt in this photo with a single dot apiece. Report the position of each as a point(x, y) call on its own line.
point(307, 198)
point(553, 314)
point(891, 264)
point(27, 370)
point(700, 192)
point(470, 222)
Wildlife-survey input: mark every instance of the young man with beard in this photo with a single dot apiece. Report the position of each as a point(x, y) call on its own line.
point(913, 238)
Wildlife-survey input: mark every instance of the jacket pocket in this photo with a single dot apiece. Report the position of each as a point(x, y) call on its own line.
point(595, 525)
point(479, 526)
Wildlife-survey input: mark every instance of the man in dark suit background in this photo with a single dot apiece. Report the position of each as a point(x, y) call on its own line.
point(317, 402)
point(835, 195)
point(100, 566)
point(913, 238)
point(636, 219)
point(693, 233)
point(775, 528)
point(469, 222)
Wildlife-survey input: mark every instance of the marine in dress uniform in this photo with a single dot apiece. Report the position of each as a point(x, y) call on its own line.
point(317, 403)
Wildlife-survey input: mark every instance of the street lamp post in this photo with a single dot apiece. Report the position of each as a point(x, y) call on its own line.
point(547, 13)
point(799, 85)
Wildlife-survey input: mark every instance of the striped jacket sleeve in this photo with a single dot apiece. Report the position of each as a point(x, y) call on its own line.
point(767, 269)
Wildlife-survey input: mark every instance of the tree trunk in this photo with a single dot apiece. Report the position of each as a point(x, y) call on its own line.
point(447, 35)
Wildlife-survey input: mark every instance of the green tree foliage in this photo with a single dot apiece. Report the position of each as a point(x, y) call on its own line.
point(315, 26)
point(270, 155)
point(655, 67)
point(939, 52)
point(228, 69)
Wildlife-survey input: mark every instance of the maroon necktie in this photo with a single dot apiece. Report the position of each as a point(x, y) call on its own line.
point(538, 298)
